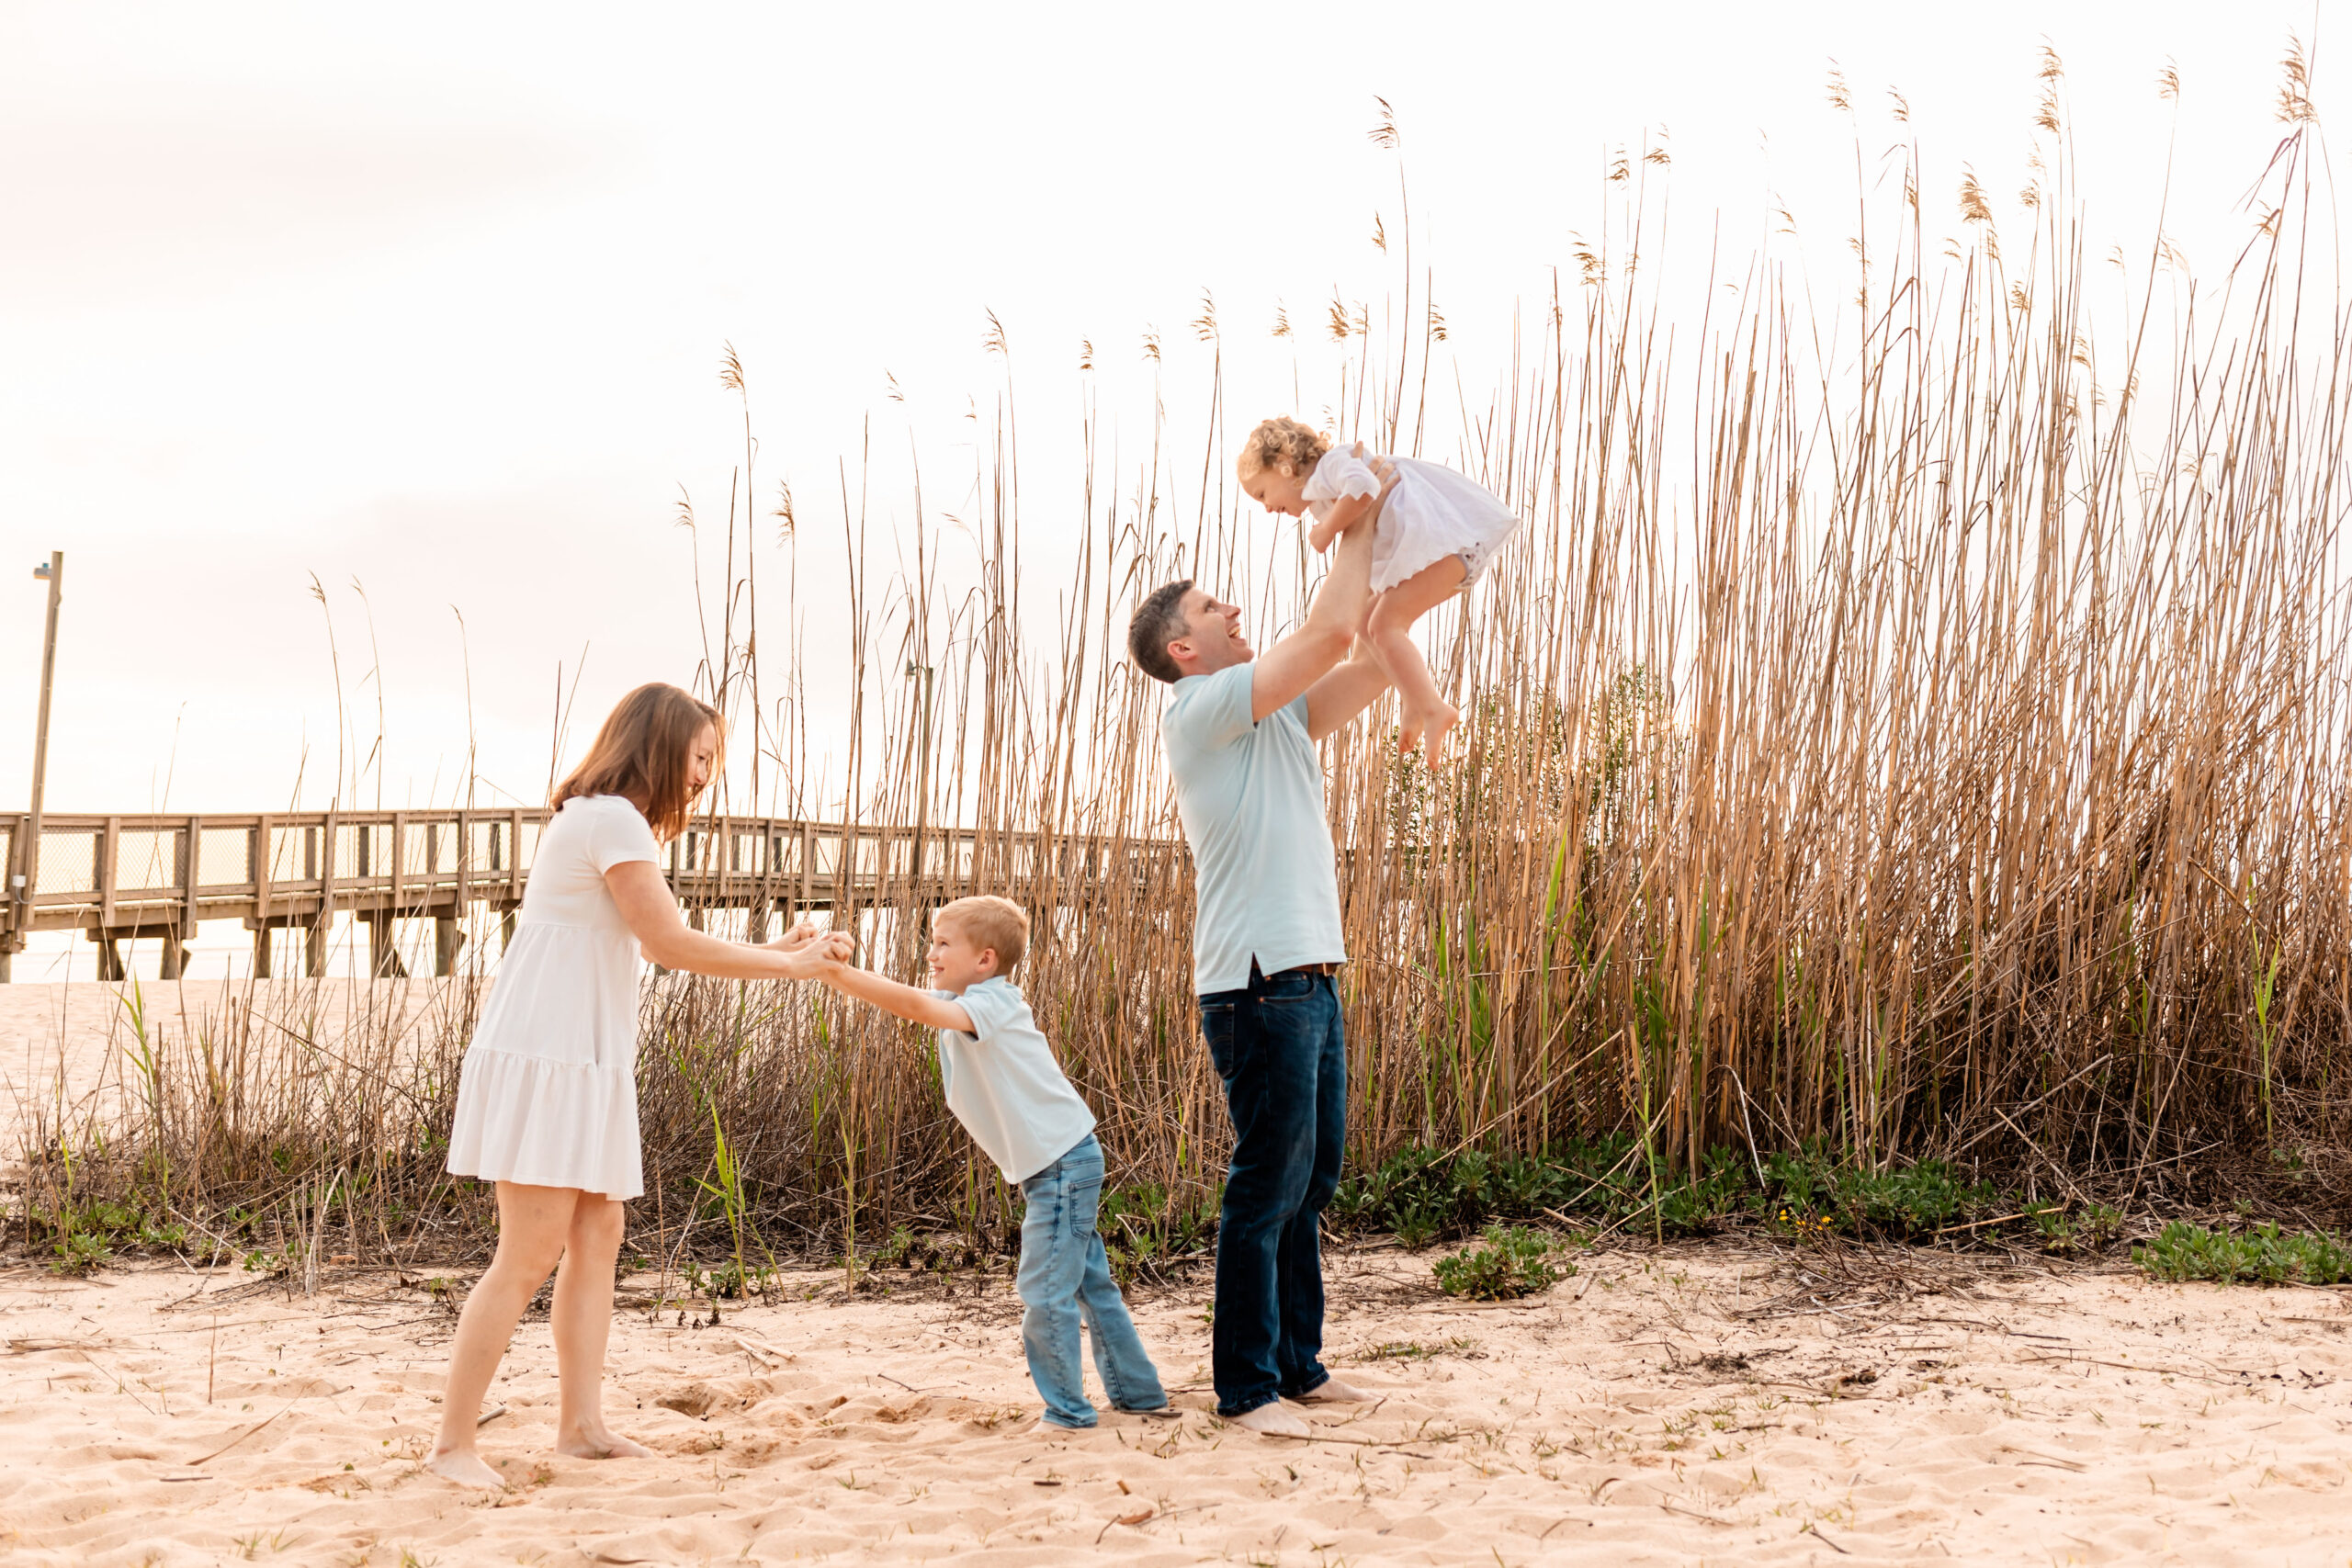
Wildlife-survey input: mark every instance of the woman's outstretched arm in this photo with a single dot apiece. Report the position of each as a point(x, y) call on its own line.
point(663, 934)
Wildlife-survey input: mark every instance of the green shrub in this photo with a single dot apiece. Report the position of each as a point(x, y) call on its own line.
point(1507, 1263)
point(2264, 1256)
point(84, 1235)
point(1144, 1227)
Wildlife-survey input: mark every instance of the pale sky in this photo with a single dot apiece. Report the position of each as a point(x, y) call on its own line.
point(432, 297)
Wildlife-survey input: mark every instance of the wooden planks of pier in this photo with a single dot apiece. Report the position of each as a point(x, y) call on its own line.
point(125, 878)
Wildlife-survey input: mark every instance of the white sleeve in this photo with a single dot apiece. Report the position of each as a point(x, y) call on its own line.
point(990, 1010)
point(1341, 474)
point(619, 833)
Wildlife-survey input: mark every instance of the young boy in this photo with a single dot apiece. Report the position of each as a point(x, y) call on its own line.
point(1004, 1085)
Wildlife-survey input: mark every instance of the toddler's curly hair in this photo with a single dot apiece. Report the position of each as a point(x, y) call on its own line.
point(1282, 443)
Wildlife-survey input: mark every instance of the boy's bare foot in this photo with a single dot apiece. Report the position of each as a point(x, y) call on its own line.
point(601, 1445)
point(1441, 723)
point(1273, 1421)
point(465, 1467)
point(1331, 1391)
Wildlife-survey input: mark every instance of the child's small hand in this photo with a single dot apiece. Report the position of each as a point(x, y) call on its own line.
point(1319, 538)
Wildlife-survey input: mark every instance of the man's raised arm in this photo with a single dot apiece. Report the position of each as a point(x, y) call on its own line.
point(1284, 672)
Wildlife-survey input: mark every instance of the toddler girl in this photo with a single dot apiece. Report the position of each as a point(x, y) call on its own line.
point(1437, 531)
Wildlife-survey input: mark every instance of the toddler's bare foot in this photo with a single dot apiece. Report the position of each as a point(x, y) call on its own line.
point(1408, 733)
point(1331, 1391)
point(1273, 1421)
point(1440, 722)
point(601, 1444)
point(465, 1467)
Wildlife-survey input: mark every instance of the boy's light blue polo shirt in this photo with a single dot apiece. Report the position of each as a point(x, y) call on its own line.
point(1003, 1084)
point(1250, 795)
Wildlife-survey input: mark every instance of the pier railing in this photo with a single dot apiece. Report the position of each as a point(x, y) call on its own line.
point(122, 878)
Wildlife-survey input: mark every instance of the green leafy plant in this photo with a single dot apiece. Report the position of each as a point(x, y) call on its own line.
point(2263, 1254)
point(1508, 1262)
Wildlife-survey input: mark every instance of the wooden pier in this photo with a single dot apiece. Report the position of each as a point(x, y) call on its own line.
point(127, 878)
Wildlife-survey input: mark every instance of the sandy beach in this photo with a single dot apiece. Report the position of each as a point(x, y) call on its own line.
point(1699, 1404)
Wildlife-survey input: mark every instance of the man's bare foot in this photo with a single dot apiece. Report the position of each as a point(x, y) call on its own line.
point(1331, 1391)
point(601, 1445)
point(465, 1467)
point(1441, 723)
point(1273, 1421)
point(1045, 1428)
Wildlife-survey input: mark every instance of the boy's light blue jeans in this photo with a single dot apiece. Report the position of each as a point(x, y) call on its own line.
point(1064, 1277)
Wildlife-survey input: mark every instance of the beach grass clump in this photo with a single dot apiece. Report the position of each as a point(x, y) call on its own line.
point(1422, 1195)
point(1505, 1263)
point(2259, 1254)
point(79, 1237)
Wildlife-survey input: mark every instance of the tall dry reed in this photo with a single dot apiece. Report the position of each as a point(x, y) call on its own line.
point(1932, 742)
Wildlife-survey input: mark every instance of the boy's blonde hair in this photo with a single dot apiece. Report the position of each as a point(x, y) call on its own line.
point(1282, 443)
point(992, 922)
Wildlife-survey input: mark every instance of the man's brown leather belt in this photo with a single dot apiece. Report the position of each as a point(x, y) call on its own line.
point(1310, 969)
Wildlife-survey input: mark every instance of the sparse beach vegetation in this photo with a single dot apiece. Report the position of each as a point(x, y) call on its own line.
point(1900, 796)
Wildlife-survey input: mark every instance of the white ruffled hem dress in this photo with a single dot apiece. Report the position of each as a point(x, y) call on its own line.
point(548, 1092)
point(1433, 513)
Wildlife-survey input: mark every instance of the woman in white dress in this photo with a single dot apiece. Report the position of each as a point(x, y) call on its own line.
point(546, 1101)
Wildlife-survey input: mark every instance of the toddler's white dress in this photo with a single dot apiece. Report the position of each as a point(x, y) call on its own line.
point(1433, 513)
point(547, 1093)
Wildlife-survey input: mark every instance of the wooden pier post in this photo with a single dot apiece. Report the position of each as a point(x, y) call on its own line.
point(257, 847)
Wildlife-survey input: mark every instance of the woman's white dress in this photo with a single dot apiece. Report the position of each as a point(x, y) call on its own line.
point(547, 1094)
point(1433, 513)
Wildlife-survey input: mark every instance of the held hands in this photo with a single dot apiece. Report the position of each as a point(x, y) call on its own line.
point(811, 954)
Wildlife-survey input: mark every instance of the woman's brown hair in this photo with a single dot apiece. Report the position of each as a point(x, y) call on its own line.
point(643, 752)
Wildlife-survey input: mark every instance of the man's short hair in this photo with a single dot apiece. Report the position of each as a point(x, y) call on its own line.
point(1158, 620)
point(990, 922)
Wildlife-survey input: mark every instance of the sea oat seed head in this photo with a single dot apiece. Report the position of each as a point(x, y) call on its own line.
point(1974, 209)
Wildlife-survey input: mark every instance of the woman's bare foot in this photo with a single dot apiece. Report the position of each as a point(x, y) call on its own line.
point(1440, 722)
point(1273, 1421)
point(601, 1444)
point(465, 1467)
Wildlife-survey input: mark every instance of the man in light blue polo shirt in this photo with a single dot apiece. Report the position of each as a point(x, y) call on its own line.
point(1241, 735)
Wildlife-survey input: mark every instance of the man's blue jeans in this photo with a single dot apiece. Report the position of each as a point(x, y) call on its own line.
point(1279, 1047)
point(1065, 1275)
